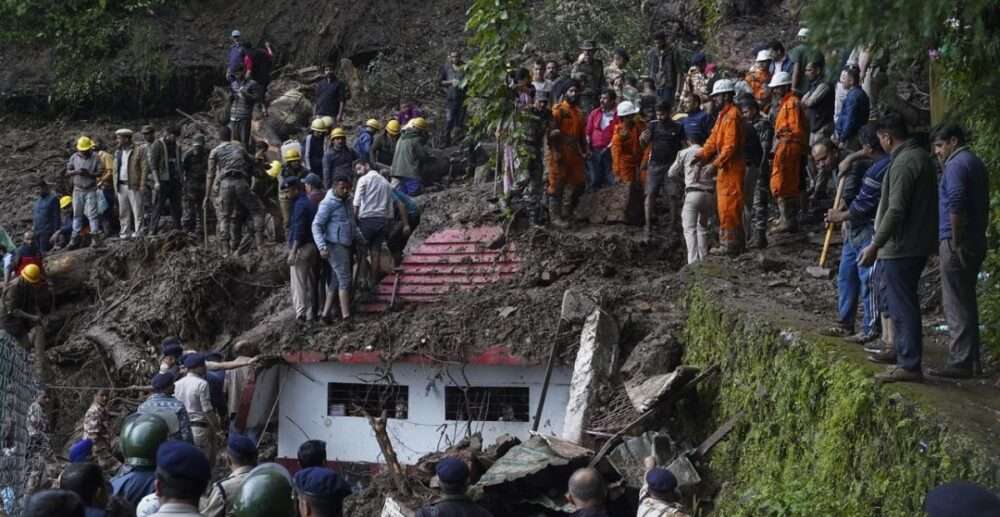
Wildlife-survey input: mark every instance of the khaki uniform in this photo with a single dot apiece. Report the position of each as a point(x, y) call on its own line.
point(219, 502)
point(192, 390)
point(591, 77)
point(95, 428)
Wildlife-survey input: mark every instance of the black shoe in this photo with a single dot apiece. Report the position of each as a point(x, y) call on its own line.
point(876, 346)
point(896, 374)
point(861, 338)
point(951, 372)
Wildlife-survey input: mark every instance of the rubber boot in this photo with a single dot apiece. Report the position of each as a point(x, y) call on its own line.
point(574, 200)
point(792, 214)
point(74, 242)
point(555, 204)
point(785, 224)
point(759, 240)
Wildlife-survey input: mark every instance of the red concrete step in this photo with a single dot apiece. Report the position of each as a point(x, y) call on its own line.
point(459, 269)
point(487, 277)
point(477, 258)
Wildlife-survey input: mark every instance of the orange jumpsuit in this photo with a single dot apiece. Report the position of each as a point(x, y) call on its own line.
point(790, 136)
point(757, 79)
point(724, 148)
point(566, 165)
point(626, 151)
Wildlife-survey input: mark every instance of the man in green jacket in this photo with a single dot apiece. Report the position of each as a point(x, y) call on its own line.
point(905, 230)
point(410, 156)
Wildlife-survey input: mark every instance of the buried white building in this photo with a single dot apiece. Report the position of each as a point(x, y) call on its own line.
point(430, 404)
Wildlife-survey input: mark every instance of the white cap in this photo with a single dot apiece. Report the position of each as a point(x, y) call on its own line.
point(780, 78)
point(235, 34)
point(803, 32)
point(123, 132)
point(723, 86)
point(764, 55)
point(626, 108)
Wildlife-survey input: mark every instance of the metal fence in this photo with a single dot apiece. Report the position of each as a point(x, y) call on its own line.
point(18, 388)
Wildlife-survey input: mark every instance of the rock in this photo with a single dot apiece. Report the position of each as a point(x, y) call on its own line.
point(660, 352)
point(576, 306)
point(594, 363)
point(768, 264)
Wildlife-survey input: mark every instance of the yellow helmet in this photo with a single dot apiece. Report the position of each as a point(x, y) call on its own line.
point(84, 144)
point(338, 132)
point(418, 123)
point(392, 127)
point(327, 121)
point(32, 273)
point(275, 169)
point(318, 125)
point(374, 124)
point(292, 155)
point(65, 201)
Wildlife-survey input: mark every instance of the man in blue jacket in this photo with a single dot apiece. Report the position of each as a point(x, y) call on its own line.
point(963, 216)
point(333, 230)
point(855, 111)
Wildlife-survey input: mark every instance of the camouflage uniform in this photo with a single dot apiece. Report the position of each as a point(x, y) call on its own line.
point(195, 166)
point(234, 165)
point(762, 186)
point(43, 467)
point(95, 428)
point(696, 82)
point(591, 77)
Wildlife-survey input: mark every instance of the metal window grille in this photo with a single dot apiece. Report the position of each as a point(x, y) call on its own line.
point(357, 399)
point(18, 387)
point(485, 404)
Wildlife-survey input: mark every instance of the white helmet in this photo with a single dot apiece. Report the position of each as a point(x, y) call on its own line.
point(723, 86)
point(780, 78)
point(764, 55)
point(804, 32)
point(626, 108)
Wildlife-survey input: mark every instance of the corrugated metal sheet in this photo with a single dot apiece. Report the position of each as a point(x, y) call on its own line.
point(449, 260)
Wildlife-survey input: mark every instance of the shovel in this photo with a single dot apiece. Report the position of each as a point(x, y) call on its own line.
point(821, 271)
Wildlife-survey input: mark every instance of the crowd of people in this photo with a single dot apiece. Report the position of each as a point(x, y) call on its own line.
point(723, 145)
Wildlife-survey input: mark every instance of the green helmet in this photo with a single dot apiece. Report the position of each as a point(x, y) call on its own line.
point(266, 492)
point(140, 437)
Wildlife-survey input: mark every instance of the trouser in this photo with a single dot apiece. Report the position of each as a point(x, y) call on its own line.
point(285, 206)
point(169, 192)
point(665, 93)
point(130, 210)
point(599, 169)
point(852, 282)
point(203, 438)
point(340, 266)
point(241, 132)
point(958, 296)
point(756, 194)
point(730, 201)
point(234, 193)
point(108, 217)
point(534, 191)
point(899, 281)
point(303, 281)
point(694, 219)
point(194, 199)
point(455, 119)
point(85, 205)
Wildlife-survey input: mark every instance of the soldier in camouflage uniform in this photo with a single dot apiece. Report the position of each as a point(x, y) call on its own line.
point(228, 181)
point(95, 429)
point(590, 74)
point(696, 81)
point(758, 177)
point(43, 468)
point(195, 167)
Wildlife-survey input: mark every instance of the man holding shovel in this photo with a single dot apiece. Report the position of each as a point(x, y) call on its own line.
point(861, 196)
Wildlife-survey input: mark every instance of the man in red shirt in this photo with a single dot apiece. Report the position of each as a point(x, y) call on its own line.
point(599, 131)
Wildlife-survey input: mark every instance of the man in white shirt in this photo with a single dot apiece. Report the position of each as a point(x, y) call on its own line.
point(373, 209)
point(128, 180)
point(193, 391)
point(699, 198)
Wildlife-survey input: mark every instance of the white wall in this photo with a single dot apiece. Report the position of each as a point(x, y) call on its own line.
point(350, 439)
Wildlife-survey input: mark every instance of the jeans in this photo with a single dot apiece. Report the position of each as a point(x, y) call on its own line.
point(852, 281)
point(599, 169)
point(899, 279)
point(665, 93)
point(85, 205)
point(169, 192)
point(958, 297)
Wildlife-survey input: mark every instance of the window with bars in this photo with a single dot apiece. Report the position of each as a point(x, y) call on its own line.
point(356, 399)
point(508, 404)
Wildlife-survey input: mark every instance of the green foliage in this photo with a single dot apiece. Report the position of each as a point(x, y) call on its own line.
point(964, 39)
point(497, 30)
point(818, 437)
point(84, 37)
point(610, 23)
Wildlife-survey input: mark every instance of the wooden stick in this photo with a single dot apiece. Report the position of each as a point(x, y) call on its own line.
point(829, 227)
point(550, 365)
point(385, 445)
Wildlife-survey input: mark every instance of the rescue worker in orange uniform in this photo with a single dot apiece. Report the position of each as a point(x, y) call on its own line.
point(567, 142)
point(724, 148)
point(790, 145)
point(759, 76)
point(626, 149)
